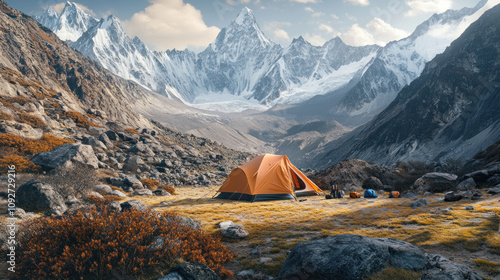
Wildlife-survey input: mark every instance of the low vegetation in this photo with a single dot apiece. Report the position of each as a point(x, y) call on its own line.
point(79, 119)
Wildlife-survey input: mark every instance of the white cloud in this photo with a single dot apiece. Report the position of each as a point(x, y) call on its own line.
point(168, 24)
point(334, 16)
point(315, 39)
point(313, 12)
point(304, 1)
point(350, 17)
point(327, 28)
point(427, 6)
point(309, 9)
point(60, 6)
point(376, 31)
point(358, 2)
point(275, 29)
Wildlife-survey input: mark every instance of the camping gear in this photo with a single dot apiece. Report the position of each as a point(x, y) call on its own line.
point(336, 192)
point(354, 194)
point(369, 193)
point(267, 177)
point(328, 196)
point(394, 194)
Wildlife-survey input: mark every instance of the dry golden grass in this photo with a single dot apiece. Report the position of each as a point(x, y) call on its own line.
point(279, 225)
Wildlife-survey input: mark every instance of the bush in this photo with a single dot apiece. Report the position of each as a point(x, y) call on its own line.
point(5, 116)
point(98, 243)
point(79, 119)
point(169, 189)
point(22, 164)
point(150, 183)
point(131, 130)
point(34, 121)
point(21, 100)
point(28, 146)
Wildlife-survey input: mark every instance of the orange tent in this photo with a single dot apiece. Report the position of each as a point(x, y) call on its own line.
point(267, 177)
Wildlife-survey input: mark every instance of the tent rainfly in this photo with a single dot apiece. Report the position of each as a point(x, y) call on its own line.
point(267, 177)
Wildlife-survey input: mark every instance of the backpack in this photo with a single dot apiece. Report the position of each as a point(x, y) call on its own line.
point(354, 194)
point(328, 196)
point(394, 194)
point(369, 193)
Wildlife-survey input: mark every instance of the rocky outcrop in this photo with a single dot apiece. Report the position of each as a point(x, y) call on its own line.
point(134, 204)
point(65, 156)
point(349, 257)
point(441, 268)
point(36, 196)
point(20, 129)
point(435, 182)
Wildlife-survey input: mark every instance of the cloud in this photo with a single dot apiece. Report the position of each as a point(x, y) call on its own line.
point(358, 2)
point(376, 31)
point(427, 6)
point(326, 28)
point(304, 1)
point(315, 39)
point(60, 6)
point(350, 17)
point(275, 30)
point(168, 24)
point(313, 12)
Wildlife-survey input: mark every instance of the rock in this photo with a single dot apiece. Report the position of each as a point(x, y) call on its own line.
point(142, 192)
point(265, 259)
point(92, 141)
point(409, 195)
point(349, 257)
point(126, 182)
point(373, 183)
point(37, 196)
point(476, 195)
point(134, 204)
point(117, 193)
point(104, 138)
point(111, 135)
point(65, 156)
point(102, 189)
point(479, 176)
point(467, 184)
point(419, 203)
point(141, 148)
point(20, 129)
point(453, 196)
point(444, 269)
point(232, 230)
point(493, 180)
point(435, 183)
point(21, 214)
point(469, 208)
point(172, 276)
point(185, 221)
point(95, 194)
point(115, 206)
point(494, 191)
point(161, 192)
point(195, 271)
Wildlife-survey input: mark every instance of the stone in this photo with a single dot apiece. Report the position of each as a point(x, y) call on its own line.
point(117, 193)
point(373, 183)
point(350, 257)
point(21, 214)
point(469, 208)
point(494, 191)
point(453, 196)
point(409, 195)
point(104, 138)
point(37, 196)
point(134, 204)
point(265, 259)
point(92, 141)
point(466, 184)
point(195, 271)
point(232, 230)
point(172, 276)
point(435, 182)
point(479, 176)
point(65, 156)
point(476, 195)
point(142, 192)
point(444, 269)
point(185, 221)
point(161, 192)
point(95, 194)
point(20, 129)
point(419, 203)
point(102, 189)
point(111, 135)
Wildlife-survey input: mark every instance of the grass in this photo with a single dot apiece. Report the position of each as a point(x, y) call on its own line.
point(489, 266)
point(277, 226)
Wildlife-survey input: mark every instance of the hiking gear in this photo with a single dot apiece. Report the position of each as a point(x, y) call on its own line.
point(369, 193)
point(267, 177)
point(354, 194)
point(328, 196)
point(394, 194)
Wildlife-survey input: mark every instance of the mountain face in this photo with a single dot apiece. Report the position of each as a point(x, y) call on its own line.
point(244, 64)
point(450, 111)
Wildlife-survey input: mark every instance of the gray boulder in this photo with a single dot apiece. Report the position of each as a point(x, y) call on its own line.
point(104, 138)
point(161, 192)
point(349, 257)
point(494, 191)
point(192, 223)
point(102, 189)
point(195, 271)
point(117, 193)
point(467, 184)
point(419, 203)
point(479, 176)
point(65, 156)
point(232, 230)
point(142, 192)
point(435, 182)
point(134, 204)
point(444, 269)
point(453, 196)
point(37, 196)
point(373, 183)
point(172, 276)
point(20, 129)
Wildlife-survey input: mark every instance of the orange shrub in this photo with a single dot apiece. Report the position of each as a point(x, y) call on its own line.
point(98, 243)
point(5, 116)
point(34, 121)
point(150, 183)
point(169, 189)
point(21, 100)
point(28, 146)
point(22, 164)
point(79, 119)
point(131, 130)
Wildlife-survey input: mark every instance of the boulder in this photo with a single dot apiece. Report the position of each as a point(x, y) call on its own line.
point(373, 183)
point(195, 271)
point(467, 184)
point(65, 156)
point(111, 135)
point(232, 230)
point(444, 269)
point(192, 223)
point(142, 192)
point(102, 189)
point(117, 193)
point(479, 176)
point(92, 141)
point(20, 129)
point(172, 276)
point(37, 196)
point(134, 204)
point(453, 196)
point(349, 257)
point(419, 203)
point(494, 191)
point(161, 192)
point(435, 182)
point(104, 138)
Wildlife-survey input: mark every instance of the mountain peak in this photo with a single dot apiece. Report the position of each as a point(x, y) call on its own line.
point(245, 17)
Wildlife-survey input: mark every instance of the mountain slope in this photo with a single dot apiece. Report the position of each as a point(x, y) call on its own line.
point(450, 111)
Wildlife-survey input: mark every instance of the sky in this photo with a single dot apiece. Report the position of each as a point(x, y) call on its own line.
point(193, 24)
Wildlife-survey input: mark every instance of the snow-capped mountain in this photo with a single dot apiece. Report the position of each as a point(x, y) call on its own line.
point(70, 24)
point(242, 68)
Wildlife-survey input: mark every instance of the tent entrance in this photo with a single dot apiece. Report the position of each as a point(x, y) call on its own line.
point(298, 183)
